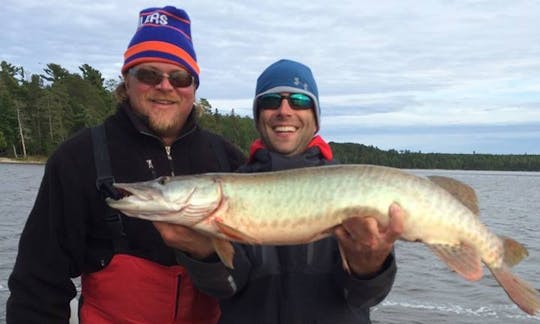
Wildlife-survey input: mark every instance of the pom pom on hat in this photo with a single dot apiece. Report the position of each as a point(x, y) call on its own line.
point(287, 76)
point(163, 35)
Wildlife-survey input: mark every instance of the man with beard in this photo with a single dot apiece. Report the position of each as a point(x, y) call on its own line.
point(128, 275)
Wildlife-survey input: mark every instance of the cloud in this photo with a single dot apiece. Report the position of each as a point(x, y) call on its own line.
point(422, 68)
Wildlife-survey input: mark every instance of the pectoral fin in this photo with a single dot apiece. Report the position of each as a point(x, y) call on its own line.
point(344, 261)
point(225, 251)
point(461, 258)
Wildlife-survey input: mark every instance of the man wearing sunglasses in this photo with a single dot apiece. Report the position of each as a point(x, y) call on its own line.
point(301, 283)
point(128, 274)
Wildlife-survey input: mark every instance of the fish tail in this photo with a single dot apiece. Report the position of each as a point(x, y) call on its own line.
point(520, 292)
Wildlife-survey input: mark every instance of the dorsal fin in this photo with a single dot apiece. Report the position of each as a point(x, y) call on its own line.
point(461, 191)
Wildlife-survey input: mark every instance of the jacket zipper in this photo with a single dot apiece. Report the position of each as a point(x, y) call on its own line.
point(169, 157)
point(168, 147)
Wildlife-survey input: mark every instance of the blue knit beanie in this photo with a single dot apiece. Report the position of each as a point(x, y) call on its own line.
point(163, 35)
point(287, 76)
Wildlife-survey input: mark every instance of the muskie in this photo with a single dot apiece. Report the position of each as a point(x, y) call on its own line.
point(304, 205)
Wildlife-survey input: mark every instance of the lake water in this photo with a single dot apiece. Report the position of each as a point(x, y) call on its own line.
point(425, 290)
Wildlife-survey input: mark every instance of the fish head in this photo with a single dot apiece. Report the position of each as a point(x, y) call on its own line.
point(184, 200)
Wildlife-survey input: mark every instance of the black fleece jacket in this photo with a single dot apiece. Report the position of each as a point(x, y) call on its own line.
point(63, 236)
point(296, 284)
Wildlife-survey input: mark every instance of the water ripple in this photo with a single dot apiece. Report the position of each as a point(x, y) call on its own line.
point(425, 290)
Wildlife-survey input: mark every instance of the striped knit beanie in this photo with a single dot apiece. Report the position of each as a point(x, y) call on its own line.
point(163, 35)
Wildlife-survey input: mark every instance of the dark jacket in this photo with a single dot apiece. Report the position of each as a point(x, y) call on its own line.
point(290, 284)
point(63, 236)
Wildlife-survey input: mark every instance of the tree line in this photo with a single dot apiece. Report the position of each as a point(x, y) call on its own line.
point(39, 111)
point(358, 153)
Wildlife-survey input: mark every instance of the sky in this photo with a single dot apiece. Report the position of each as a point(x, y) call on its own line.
point(440, 76)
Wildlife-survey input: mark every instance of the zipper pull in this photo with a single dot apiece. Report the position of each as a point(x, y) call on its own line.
point(168, 150)
point(150, 166)
point(169, 157)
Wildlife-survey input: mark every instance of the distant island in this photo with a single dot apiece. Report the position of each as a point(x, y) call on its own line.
point(358, 153)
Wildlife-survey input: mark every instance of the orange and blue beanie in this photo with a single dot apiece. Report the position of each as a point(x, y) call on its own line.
point(163, 35)
point(287, 76)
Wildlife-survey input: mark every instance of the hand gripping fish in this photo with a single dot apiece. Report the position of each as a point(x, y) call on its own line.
point(304, 205)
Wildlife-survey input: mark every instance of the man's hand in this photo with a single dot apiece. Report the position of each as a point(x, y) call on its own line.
point(366, 243)
point(185, 239)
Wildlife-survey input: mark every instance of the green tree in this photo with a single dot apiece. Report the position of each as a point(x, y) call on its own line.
point(8, 88)
point(13, 99)
point(3, 142)
point(54, 73)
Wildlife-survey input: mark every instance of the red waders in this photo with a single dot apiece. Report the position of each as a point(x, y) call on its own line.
point(135, 290)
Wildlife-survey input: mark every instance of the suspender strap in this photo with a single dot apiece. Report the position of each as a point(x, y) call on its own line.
point(104, 184)
point(102, 161)
point(219, 149)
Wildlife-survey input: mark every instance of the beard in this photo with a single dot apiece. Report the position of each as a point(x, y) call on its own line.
point(163, 112)
point(164, 124)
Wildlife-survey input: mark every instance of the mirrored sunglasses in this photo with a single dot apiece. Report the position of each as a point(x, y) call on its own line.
point(297, 101)
point(178, 78)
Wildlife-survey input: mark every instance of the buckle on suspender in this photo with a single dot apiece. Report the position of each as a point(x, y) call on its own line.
point(105, 186)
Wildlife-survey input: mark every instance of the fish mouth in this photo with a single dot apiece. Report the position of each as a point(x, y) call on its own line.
point(139, 200)
point(128, 190)
point(143, 191)
point(121, 193)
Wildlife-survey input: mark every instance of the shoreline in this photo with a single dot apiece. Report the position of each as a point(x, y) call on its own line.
point(4, 160)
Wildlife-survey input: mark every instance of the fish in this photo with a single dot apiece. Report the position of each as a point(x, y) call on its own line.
point(304, 205)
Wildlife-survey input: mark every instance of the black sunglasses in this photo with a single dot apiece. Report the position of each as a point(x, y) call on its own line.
point(178, 78)
point(297, 101)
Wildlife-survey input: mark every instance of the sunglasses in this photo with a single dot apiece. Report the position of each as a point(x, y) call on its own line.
point(297, 101)
point(178, 78)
